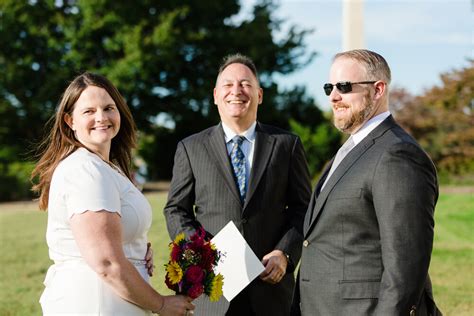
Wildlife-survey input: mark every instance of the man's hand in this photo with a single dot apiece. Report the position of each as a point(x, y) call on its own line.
point(275, 264)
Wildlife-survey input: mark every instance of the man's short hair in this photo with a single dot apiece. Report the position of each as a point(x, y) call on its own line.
point(376, 66)
point(238, 59)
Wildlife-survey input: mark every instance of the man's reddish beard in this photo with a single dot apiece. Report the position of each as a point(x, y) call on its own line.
point(356, 119)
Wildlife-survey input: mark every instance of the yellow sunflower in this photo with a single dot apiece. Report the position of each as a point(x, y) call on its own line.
point(178, 238)
point(175, 273)
point(176, 241)
point(216, 288)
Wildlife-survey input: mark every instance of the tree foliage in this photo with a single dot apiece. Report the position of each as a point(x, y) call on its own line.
point(320, 142)
point(442, 119)
point(162, 55)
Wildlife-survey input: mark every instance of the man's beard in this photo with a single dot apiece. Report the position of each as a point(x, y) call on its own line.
point(356, 119)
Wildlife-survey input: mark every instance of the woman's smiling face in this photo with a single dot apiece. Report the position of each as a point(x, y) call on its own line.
point(95, 120)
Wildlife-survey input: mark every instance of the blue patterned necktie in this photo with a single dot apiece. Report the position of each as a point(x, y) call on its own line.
point(238, 164)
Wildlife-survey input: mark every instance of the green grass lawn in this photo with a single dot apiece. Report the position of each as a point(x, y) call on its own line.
point(24, 254)
point(452, 263)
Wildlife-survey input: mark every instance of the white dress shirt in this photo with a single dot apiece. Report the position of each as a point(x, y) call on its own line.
point(247, 147)
point(369, 126)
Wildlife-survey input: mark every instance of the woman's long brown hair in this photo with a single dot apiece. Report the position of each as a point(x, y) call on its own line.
point(61, 142)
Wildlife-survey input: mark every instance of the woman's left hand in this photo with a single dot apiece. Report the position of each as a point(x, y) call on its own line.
point(149, 259)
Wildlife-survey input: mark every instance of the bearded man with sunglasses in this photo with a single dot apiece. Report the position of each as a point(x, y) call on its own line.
point(368, 231)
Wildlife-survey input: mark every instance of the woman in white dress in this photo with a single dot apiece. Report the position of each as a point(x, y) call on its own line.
point(97, 219)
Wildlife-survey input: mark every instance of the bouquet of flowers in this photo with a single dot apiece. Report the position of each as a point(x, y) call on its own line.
point(190, 270)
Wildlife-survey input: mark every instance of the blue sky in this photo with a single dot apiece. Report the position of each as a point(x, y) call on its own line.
point(419, 38)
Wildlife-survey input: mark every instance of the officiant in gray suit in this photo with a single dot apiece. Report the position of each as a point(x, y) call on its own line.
point(368, 231)
point(253, 174)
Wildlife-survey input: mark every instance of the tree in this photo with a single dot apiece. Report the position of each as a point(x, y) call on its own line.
point(319, 137)
point(162, 56)
point(442, 120)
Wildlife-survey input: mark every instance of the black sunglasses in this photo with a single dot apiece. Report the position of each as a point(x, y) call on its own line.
point(343, 86)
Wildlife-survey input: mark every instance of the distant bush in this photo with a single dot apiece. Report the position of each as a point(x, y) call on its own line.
point(15, 181)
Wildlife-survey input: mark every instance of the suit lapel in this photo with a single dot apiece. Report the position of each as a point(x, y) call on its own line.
point(217, 149)
point(345, 165)
point(309, 213)
point(323, 176)
point(264, 143)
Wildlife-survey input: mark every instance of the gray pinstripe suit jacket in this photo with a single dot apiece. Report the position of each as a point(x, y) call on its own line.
point(203, 192)
point(369, 232)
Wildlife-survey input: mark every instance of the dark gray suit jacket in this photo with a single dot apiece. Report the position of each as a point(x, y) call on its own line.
point(203, 192)
point(369, 232)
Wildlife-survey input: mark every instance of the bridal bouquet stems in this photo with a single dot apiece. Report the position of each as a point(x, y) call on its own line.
point(190, 270)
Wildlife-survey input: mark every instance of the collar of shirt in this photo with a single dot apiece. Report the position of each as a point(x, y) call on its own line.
point(249, 134)
point(369, 126)
point(247, 147)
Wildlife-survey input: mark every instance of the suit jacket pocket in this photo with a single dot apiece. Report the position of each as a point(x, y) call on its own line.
point(359, 289)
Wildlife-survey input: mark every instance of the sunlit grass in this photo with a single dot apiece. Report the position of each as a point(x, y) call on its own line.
point(452, 263)
point(24, 254)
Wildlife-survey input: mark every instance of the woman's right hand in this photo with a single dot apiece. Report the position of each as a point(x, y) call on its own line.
point(176, 305)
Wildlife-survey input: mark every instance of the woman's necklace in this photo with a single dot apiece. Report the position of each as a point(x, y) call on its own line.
point(115, 167)
point(112, 165)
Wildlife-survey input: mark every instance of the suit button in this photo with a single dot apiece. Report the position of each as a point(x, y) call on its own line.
point(244, 221)
point(305, 243)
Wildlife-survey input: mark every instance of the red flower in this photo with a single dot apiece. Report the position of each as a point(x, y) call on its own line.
point(171, 286)
point(208, 258)
point(194, 275)
point(175, 253)
point(195, 291)
point(197, 243)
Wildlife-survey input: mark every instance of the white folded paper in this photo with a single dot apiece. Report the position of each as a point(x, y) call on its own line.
point(239, 265)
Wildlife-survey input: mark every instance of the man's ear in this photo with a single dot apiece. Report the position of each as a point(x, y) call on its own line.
point(380, 89)
point(260, 95)
point(214, 94)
